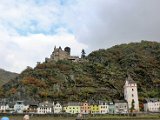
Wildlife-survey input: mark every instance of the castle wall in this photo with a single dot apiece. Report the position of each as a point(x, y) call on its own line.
point(59, 54)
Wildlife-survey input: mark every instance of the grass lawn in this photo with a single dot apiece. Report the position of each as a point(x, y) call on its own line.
point(41, 118)
point(99, 117)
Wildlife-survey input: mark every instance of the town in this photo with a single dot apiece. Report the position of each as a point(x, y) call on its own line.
point(130, 104)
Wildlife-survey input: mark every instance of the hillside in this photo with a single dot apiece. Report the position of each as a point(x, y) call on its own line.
point(5, 76)
point(100, 76)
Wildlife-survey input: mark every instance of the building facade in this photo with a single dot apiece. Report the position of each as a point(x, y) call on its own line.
point(3, 107)
point(33, 106)
point(131, 94)
point(94, 107)
point(111, 108)
point(121, 106)
point(72, 108)
point(85, 108)
point(57, 108)
point(152, 105)
point(103, 107)
point(20, 107)
point(45, 108)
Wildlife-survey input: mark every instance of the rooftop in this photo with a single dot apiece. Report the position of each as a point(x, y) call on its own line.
point(129, 79)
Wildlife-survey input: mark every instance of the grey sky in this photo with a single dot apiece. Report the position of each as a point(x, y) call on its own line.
point(30, 29)
point(110, 22)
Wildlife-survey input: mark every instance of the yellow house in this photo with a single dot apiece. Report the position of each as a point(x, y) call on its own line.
point(94, 107)
point(72, 108)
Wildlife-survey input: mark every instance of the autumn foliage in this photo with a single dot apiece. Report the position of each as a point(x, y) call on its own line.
point(33, 81)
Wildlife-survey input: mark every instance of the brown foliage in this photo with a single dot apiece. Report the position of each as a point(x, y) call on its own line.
point(33, 81)
point(13, 90)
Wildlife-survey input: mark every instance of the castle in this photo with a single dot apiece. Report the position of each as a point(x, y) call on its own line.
point(60, 54)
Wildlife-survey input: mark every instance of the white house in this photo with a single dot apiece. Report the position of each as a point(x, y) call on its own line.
point(131, 94)
point(3, 107)
point(11, 107)
point(20, 107)
point(152, 105)
point(121, 106)
point(57, 108)
point(103, 107)
point(45, 108)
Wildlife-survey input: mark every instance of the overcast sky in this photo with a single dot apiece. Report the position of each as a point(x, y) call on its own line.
point(29, 29)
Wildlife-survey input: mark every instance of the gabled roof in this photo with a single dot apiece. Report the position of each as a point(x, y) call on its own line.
point(93, 102)
point(152, 100)
point(3, 103)
point(27, 102)
point(102, 102)
point(74, 104)
point(11, 104)
point(120, 101)
point(45, 105)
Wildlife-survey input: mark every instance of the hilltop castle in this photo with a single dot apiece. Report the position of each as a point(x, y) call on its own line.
point(60, 54)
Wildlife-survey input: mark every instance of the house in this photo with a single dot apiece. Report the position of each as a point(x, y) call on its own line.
point(152, 105)
point(131, 94)
point(57, 108)
point(11, 107)
point(45, 108)
point(85, 108)
point(121, 106)
point(72, 108)
point(94, 107)
point(111, 108)
point(21, 106)
point(3, 107)
point(33, 106)
point(103, 107)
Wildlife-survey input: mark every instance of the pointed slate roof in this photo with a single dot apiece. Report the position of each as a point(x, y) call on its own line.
point(120, 101)
point(129, 79)
point(45, 104)
point(151, 100)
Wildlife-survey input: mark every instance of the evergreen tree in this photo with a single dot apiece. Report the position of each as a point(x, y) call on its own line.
point(132, 107)
point(83, 53)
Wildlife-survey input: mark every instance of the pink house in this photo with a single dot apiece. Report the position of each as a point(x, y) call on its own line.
point(85, 108)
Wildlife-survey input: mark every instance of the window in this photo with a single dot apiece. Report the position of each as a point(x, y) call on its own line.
point(132, 89)
point(132, 95)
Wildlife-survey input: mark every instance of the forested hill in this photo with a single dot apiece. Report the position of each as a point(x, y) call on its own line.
point(101, 76)
point(5, 76)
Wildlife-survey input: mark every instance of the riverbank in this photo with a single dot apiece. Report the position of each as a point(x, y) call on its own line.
point(102, 117)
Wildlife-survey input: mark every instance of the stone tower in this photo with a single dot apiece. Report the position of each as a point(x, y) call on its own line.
point(131, 94)
point(68, 50)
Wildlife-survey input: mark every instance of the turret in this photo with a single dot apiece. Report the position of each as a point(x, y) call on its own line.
point(68, 50)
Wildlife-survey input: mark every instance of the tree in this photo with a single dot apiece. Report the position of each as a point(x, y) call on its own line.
point(83, 53)
point(132, 105)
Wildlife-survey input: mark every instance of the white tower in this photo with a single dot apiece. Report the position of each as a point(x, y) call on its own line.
point(130, 93)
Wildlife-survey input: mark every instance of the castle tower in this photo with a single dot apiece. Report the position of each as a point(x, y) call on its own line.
point(68, 50)
point(131, 94)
